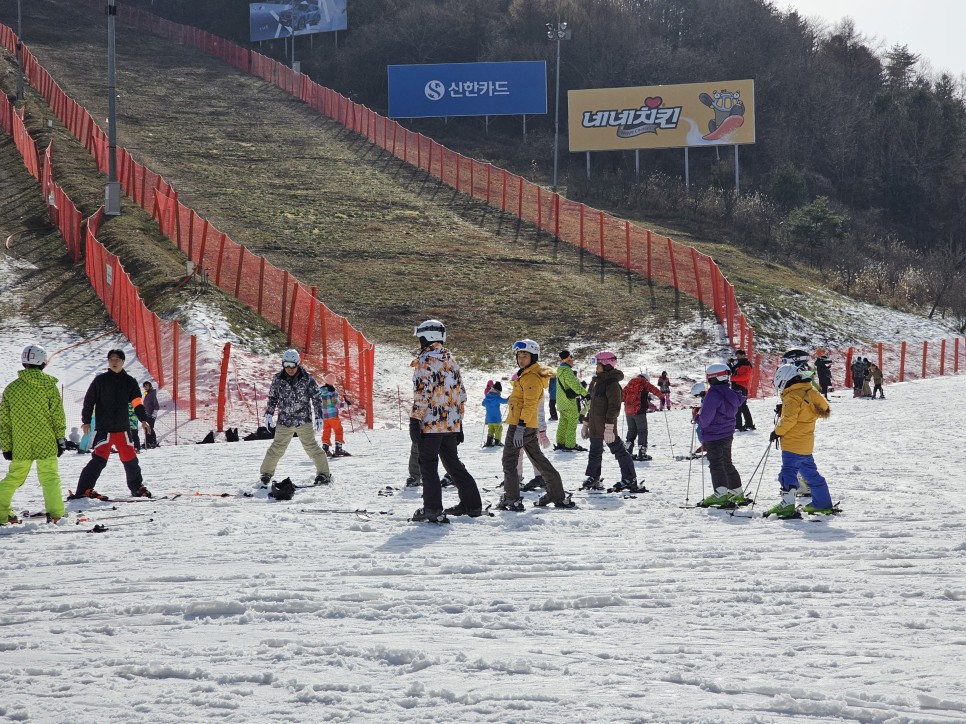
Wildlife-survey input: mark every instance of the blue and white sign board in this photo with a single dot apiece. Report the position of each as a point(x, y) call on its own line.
point(268, 21)
point(468, 89)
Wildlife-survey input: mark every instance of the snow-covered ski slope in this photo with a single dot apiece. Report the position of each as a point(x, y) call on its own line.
point(246, 610)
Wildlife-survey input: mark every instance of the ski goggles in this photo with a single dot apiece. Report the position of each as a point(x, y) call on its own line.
point(290, 365)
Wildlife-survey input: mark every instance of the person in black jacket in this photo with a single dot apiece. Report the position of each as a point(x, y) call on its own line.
point(823, 365)
point(151, 407)
point(108, 397)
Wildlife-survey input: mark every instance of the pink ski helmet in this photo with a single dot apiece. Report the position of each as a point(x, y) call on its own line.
point(605, 358)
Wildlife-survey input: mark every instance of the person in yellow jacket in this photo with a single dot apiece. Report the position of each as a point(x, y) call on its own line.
point(32, 427)
point(522, 434)
point(801, 406)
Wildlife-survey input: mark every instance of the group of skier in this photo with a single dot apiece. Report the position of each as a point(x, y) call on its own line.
point(32, 426)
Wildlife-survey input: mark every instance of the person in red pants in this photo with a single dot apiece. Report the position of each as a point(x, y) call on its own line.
point(108, 397)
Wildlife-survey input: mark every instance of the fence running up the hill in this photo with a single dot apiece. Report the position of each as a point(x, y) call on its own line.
point(330, 342)
point(191, 376)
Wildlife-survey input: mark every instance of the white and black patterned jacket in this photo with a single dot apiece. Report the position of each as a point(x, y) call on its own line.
point(293, 397)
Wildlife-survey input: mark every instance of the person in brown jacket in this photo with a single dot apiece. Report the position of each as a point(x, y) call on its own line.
point(600, 426)
point(876, 374)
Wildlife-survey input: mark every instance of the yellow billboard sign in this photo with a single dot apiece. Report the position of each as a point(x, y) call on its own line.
point(662, 116)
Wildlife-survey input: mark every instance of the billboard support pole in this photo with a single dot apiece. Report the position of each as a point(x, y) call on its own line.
point(637, 163)
point(737, 177)
point(687, 171)
point(486, 125)
point(588, 165)
point(524, 127)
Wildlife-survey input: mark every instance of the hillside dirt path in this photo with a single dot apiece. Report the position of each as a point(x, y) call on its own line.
point(386, 245)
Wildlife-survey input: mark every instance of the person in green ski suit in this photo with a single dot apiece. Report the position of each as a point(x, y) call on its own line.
point(32, 427)
point(568, 390)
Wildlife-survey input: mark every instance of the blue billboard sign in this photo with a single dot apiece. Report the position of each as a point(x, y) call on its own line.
point(468, 89)
point(268, 21)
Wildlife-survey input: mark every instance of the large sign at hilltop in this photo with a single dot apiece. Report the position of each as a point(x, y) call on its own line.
point(268, 21)
point(662, 116)
point(467, 89)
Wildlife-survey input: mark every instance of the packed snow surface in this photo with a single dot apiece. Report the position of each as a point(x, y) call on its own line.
point(198, 608)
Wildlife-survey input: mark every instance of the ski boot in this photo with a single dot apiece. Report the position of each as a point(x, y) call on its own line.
point(413, 482)
point(92, 494)
point(786, 508)
point(264, 480)
point(326, 449)
point(642, 456)
point(323, 479)
point(141, 492)
point(811, 509)
point(53, 519)
point(720, 498)
point(546, 500)
point(429, 516)
point(460, 509)
point(447, 481)
point(592, 483)
point(537, 482)
point(340, 451)
point(12, 520)
point(489, 441)
point(514, 505)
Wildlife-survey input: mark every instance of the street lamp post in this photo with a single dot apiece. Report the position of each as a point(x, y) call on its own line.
point(112, 189)
point(558, 32)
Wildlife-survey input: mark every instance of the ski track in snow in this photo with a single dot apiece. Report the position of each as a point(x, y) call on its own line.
point(245, 609)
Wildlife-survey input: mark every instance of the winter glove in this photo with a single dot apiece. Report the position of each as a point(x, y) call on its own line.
point(415, 430)
point(774, 437)
point(518, 437)
point(585, 431)
point(8, 455)
point(329, 388)
point(61, 446)
point(319, 424)
point(778, 409)
point(544, 440)
point(269, 420)
point(609, 435)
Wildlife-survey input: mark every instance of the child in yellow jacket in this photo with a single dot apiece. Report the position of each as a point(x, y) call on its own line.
point(525, 399)
point(801, 406)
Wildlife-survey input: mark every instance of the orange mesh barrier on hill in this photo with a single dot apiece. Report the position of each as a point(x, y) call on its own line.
point(330, 342)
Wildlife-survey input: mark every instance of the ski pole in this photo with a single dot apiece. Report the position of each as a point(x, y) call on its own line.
point(669, 441)
point(751, 508)
point(702, 477)
point(687, 491)
point(751, 478)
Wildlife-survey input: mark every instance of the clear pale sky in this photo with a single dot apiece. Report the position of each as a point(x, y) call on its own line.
point(933, 29)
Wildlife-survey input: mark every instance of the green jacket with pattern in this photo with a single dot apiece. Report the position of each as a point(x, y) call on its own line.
point(32, 416)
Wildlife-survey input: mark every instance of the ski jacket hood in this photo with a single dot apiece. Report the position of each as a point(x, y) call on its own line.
point(802, 405)
point(527, 395)
point(32, 416)
point(718, 412)
point(439, 397)
point(605, 400)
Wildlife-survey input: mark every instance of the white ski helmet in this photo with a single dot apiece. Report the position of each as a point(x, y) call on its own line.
point(290, 356)
point(526, 345)
point(698, 388)
point(785, 374)
point(718, 371)
point(797, 357)
point(34, 354)
point(432, 330)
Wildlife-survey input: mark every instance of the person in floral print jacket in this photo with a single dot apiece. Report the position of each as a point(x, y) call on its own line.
point(436, 426)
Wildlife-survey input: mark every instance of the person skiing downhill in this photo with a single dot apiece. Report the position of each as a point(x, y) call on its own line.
point(108, 397)
point(32, 426)
point(436, 426)
point(717, 423)
point(294, 393)
point(635, 396)
point(600, 426)
point(569, 391)
point(522, 433)
point(802, 405)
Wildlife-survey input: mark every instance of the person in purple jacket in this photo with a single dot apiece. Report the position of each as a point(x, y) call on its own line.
point(717, 424)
